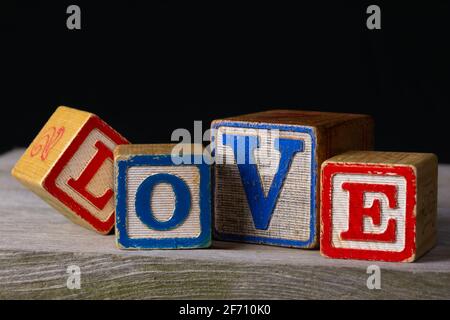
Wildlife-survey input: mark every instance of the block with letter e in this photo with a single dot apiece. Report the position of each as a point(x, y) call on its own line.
point(379, 205)
point(267, 172)
point(70, 165)
point(163, 200)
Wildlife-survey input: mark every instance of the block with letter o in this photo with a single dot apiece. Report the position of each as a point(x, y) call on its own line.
point(160, 204)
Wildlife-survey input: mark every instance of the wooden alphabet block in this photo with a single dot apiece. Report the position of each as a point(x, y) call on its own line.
point(379, 205)
point(267, 172)
point(70, 165)
point(160, 204)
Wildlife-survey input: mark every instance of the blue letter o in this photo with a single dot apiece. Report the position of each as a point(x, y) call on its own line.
point(182, 202)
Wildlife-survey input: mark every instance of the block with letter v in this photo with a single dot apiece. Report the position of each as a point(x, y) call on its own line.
point(266, 173)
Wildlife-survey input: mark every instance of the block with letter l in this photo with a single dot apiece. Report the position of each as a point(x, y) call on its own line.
point(70, 165)
point(267, 172)
point(163, 201)
point(379, 205)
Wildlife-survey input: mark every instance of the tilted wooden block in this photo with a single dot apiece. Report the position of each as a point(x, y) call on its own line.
point(160, 204)
point(267, 172)
point(379, 205)
point(70, 165)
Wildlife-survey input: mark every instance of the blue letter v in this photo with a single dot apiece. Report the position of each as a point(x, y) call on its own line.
point(261, 207)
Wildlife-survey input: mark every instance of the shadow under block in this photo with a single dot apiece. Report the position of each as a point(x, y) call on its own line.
point(160, 204)
point(70, 165)
point(379, 206)
point(267, 172)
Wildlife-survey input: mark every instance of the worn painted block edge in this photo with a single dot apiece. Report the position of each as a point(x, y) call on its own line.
point(94, 122)
point(123, 241)
point(329, 169)
point(313, 239)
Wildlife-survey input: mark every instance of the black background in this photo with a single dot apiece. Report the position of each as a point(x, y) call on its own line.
point(170, 309)
point(149, 67)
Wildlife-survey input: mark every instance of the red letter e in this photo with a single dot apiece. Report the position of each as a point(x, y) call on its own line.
point(357, 212)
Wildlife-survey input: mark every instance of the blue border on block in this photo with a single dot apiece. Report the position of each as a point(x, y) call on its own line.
point(313, 212)
point(124, 241)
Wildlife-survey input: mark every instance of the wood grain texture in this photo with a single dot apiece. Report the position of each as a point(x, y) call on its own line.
point(46, 149)
point(233, 214)
point(37, 248)
point(403, 225)
point(294, 221)
point(123, 152)
point(176, 196)
point(60, 166)
point(315, 119)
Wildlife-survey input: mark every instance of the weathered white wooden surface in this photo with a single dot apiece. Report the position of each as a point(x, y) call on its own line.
point(37, 245)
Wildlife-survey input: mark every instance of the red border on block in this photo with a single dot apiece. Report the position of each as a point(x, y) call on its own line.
point(50, 181)
point(328, 173)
